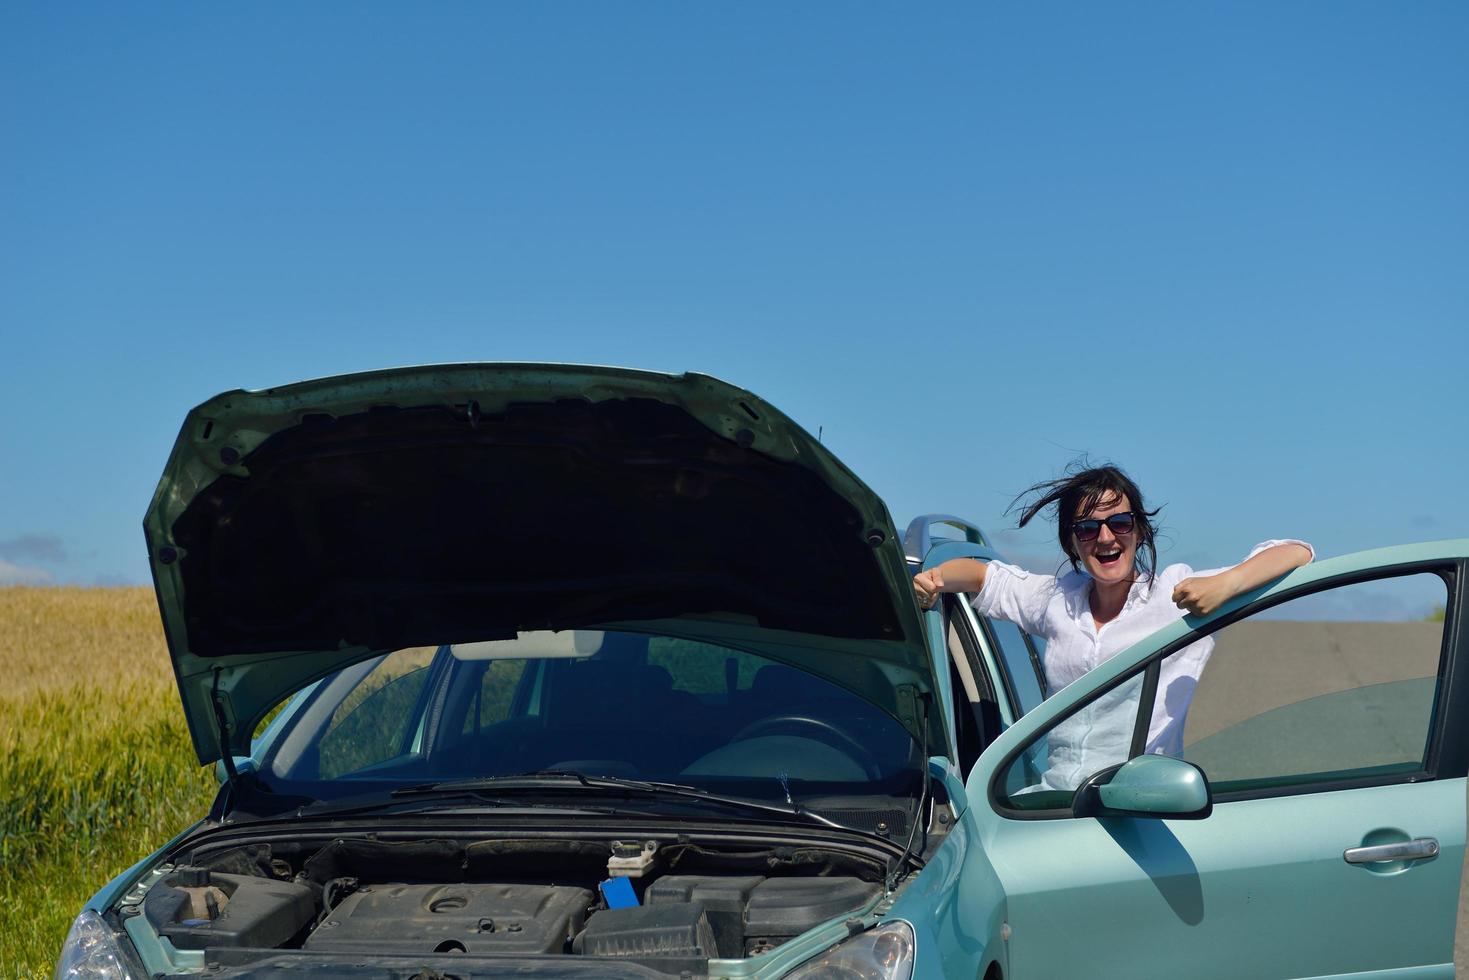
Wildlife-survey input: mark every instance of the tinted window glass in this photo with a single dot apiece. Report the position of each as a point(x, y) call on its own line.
point(1329, 688)
point(607, 703)
point(703, 668)
point(375, 721)
point(1294, 697)
point(496, 694)
point(1015, 654)
point(1096, 736)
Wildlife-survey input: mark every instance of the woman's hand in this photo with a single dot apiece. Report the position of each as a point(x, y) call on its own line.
point(954, 575)
point(927, 585)
point(1202, 595)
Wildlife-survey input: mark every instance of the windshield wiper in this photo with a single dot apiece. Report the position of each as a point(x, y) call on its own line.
point(420, 798)
point(567, 779)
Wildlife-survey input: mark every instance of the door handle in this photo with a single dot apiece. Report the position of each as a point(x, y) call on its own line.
point(1408, 850)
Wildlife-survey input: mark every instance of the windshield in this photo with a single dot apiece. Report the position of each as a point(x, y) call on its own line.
point(599, 703)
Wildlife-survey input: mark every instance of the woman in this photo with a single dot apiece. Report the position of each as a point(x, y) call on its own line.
point(1111, 599)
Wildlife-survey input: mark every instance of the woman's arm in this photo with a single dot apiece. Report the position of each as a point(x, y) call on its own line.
point(954, 575)
point(1202, 595)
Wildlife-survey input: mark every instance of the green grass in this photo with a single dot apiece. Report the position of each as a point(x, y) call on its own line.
point(96, 768)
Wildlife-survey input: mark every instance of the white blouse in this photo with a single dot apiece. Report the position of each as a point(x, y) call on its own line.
point(1059, 609)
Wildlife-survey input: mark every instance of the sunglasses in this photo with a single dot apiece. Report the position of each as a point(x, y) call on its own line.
point(1119, 524)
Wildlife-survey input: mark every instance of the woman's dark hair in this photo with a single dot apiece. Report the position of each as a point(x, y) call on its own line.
point(1078, 492)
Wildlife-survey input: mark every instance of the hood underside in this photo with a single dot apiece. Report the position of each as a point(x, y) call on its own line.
point(299, 529)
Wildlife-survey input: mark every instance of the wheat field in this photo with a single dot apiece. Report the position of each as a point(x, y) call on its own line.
point(96, 768)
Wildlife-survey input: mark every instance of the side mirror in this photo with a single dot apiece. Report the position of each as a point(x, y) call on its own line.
point(1155, 786)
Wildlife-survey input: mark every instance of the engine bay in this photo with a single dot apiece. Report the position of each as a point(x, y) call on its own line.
point(363, 906)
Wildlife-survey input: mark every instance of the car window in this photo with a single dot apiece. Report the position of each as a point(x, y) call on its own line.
point(600, 703)
point(374, 722)
point(1022, 664)
point(1290, 698)
point(703, 668)
point(495, 695)
point(1323, 691)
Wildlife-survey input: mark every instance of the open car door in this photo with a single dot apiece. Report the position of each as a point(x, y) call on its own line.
point(1327, 714)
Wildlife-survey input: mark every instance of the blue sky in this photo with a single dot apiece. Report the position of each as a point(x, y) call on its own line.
point(1222, 245)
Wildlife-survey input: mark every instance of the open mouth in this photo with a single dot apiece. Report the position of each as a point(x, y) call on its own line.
point(1109, 557)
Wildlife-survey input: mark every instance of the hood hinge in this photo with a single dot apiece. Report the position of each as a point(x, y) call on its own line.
point(226, 754)
point(908, 696)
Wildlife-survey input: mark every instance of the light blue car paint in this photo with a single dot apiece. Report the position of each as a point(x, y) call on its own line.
point(1156, 784)
point(957, 908)
point(1258, 889)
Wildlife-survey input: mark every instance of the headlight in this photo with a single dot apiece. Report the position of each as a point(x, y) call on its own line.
point(91, 952)
point(884, 953)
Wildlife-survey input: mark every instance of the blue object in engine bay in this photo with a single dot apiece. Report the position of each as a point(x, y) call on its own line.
point(618, 893)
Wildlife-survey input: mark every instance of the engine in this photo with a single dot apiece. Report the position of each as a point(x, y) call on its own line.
point(361, 906)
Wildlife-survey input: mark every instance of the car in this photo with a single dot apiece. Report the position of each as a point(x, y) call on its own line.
point(568, 672)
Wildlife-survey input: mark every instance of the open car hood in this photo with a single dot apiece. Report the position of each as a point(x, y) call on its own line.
point(300, 529)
